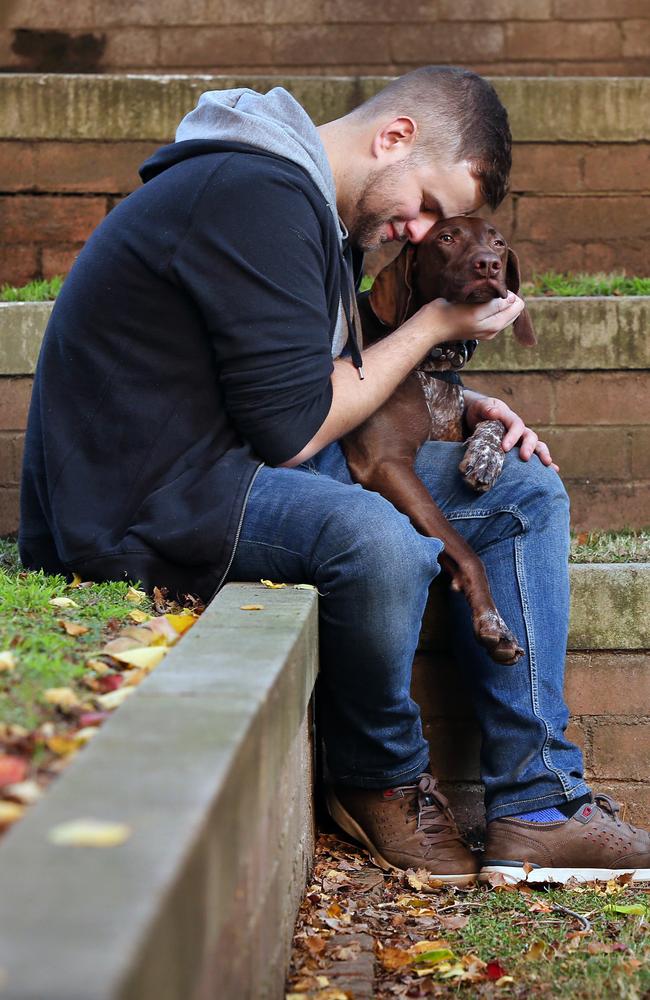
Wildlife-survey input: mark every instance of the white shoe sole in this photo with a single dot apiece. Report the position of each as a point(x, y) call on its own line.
point(516, 873)
point(342, 817)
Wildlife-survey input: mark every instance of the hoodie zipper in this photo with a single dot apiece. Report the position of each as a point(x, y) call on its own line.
point(238, 532)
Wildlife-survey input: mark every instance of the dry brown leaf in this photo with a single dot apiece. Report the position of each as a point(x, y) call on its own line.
point(72, 628)
point(120, 644)
point(7, 661)
point(139, 616)
point(63, 698)
point(146, 658)
point(135, 596)
point(10, 812)
point(393, 959)
point(273, 586)
point(63, 602)
point(98, 666)
point(114, 698)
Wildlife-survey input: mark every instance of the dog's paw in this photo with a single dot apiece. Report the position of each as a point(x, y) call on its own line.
point(493, 633)
point(483, 460)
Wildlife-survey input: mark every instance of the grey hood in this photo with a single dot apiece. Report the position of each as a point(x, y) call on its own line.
point(274, 122)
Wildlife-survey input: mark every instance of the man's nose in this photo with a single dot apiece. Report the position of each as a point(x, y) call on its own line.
point(416, 229)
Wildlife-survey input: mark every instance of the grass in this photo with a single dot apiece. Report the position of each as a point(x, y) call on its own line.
point(35, 291)
point(611, 546)
point(46, 656)
point(552, 283)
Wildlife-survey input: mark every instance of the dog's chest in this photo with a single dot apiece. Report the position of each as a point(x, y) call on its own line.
point(445, 404)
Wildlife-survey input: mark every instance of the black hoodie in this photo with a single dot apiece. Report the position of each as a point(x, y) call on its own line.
point(191, 342)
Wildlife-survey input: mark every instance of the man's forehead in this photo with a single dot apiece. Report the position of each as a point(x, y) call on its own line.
point(454, 191)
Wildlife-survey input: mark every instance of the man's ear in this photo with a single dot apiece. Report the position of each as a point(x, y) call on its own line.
point(392, 290)
point(522, 326)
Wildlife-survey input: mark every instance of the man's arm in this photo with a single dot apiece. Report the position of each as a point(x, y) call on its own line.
point(388, 362)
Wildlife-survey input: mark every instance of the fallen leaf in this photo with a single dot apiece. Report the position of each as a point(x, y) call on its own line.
point(135, 676)
point(536, 950)
point(10, 812)
point(413, 880)
point(146, 658)
point(63, 602)
point(72, 628)
point(494, 971)
point(76, 582)
point(26, 792)
point(393, 959)
point(7, 661)
point(98, 666)
point(63, 698)
point(304, 586)
point(62, 744)
point(139, 616)
point(252, 607)
point(109, 682)
point(181, 623)
point(135, 596)
point(84, 735)
point(453, 922)
point(89, 833)
point(636, 908)
point(119, 645)
point(12, 769)
point(87, 719)
point(273, 586)
point(114, 698)
point(343, 953)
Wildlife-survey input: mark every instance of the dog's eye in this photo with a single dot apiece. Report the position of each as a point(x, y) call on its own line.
point(446, 238)
point(499, 243)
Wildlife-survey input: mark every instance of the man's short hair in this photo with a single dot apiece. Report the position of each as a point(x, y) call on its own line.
point(459, 117)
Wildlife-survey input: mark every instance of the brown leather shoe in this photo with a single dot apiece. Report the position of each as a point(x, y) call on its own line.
point(593, 845)
point(410, 826)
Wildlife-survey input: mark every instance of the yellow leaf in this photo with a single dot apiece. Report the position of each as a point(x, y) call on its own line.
point(76, 582)
point(252, 607)
point(181, 623)
point(83, 736)
point(273, 586)
point(134, 676)
point(145, 657)
point(7, 661)
point(72, 628)
point(98, 666)
point(139, 616)
point(10, 812)
point(114, 698)
point(135, 596)
point(62, 745)
point(64, 698)
point(63, 602)
point(305, 586)
point(89, 833)
point(27, 792)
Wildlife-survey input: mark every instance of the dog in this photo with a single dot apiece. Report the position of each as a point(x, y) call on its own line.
point(462, 260)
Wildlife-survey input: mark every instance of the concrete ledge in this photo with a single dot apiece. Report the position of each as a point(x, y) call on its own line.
point(209, 764)
point(128, 106)
point(575, 334)
point(609, 609)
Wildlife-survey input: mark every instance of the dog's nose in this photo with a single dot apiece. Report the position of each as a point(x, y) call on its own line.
point(488, 265)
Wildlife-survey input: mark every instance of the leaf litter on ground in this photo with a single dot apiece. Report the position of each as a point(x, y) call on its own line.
point(433, 939)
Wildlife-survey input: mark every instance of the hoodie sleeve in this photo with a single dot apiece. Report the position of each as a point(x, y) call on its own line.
point(253, 261)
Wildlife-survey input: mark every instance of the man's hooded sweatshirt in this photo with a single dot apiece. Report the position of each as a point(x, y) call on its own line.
point(191, 342)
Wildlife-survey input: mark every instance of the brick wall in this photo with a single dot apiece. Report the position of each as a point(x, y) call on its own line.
point(511, 37)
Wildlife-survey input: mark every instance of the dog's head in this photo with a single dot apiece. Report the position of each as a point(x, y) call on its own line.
point(462, 260)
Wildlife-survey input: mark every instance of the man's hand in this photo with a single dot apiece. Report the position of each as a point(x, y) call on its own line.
point(478, 407)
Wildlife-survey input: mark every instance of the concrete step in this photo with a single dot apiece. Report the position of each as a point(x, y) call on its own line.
point(147, 106)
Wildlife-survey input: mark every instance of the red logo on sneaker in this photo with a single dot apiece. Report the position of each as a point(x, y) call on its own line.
point(388, 793)
point(587, 811)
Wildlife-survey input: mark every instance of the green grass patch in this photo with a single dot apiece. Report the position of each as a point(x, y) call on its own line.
point(46, 656)
point(611, 546)
point(35, 291)
point(552, 283)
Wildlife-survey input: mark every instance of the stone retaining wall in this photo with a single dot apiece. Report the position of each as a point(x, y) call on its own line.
point(538, 37)
point(585, 388)
point(70, 147)
point(607, 691)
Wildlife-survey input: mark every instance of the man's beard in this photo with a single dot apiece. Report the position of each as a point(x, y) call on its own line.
point(367, 224)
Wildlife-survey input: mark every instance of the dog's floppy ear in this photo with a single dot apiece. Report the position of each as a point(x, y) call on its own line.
point(522, 326)
point(392, 289)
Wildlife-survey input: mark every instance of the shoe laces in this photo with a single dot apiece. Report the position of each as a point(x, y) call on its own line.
point(430, 807)
point(613, 809)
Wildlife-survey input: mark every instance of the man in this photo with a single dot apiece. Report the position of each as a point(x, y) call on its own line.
point(183, 431)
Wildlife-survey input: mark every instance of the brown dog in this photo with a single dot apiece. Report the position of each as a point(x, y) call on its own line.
point(462, 260)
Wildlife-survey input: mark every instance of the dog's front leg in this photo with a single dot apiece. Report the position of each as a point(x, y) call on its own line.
point(483, 460)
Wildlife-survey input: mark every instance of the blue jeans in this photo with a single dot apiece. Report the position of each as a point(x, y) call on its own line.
point(373, 570)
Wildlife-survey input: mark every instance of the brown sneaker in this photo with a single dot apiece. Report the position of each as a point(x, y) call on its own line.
point(593, 845)
point(410, 826)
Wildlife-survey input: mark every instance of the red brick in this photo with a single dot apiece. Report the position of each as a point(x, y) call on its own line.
point(9, 510)
point(590, 398)
point(636, 38)
point(68, 167)
point(25, 219)
point(627, 255)
point(111, 13)
point(42, 14)
point(447, 43)
point(454, 749)
point(630, 256)
point(498, 10)
point(589, 452)
point(621, 751)
point(563, 67)
point(132, 48)
point(573, 41)
point(640, 453)
point(609, 506)
point(310, 12)
point(531, 396)
point(607, 683)
point(575, 733)
point(11, 455)
point(330, 44)
point(235, 12)
point(617, 167)
point(215, 48)
point(546, 167)
point(15, 394)
point(635, 800)
point(583, 218)
point(18, 264)
point(58, 259)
